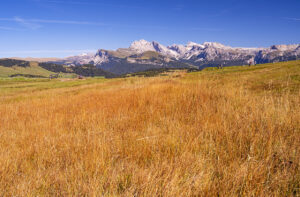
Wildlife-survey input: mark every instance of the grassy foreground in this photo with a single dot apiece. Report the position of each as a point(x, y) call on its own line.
point(230, 132)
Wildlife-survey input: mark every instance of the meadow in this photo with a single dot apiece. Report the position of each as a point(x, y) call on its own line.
point(32, 69)
point(218, 132)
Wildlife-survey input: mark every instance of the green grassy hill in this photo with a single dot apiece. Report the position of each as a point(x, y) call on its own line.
point(32, 68)
point(14, 68)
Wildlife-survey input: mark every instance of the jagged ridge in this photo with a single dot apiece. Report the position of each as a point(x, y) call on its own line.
point(143, 54)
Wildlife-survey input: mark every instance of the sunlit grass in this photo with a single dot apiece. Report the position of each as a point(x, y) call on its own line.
point(223, 132)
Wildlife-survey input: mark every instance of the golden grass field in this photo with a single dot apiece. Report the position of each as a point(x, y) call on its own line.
point(230, 132)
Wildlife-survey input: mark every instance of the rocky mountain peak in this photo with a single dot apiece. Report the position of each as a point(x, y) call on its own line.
point(214, 45)
point(193, 54)
point(181, 49)
point(194, 44)
point(285, 47)
point(142, 46)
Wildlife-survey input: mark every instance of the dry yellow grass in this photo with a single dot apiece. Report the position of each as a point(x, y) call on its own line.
point(211, 134)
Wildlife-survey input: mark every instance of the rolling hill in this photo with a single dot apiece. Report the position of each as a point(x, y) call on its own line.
point(9, 67)
point(13, 67)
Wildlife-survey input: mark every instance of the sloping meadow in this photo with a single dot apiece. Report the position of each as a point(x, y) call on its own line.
point(159, 136)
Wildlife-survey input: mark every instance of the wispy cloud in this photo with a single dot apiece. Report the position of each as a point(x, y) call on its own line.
point(27, 23)
point(86, 3)
point(67, 22)
point(9, 28)
point(178, 7)
point(49, 51)
point(36, 23)
point(205, 29)
point(292, 19)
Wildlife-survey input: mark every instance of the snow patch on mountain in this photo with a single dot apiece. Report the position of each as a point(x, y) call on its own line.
point(192, 52)
point(285, 47)
point(142, 46)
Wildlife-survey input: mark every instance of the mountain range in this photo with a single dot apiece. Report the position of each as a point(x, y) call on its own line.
point(143, 55)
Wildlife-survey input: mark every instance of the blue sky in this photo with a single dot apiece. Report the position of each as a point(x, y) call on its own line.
point(59, 28)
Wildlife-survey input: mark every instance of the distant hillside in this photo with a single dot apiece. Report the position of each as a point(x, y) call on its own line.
point(49, 59)
point(13, 68)
point(13, 62)
point(143, 55)
point(9, 67)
